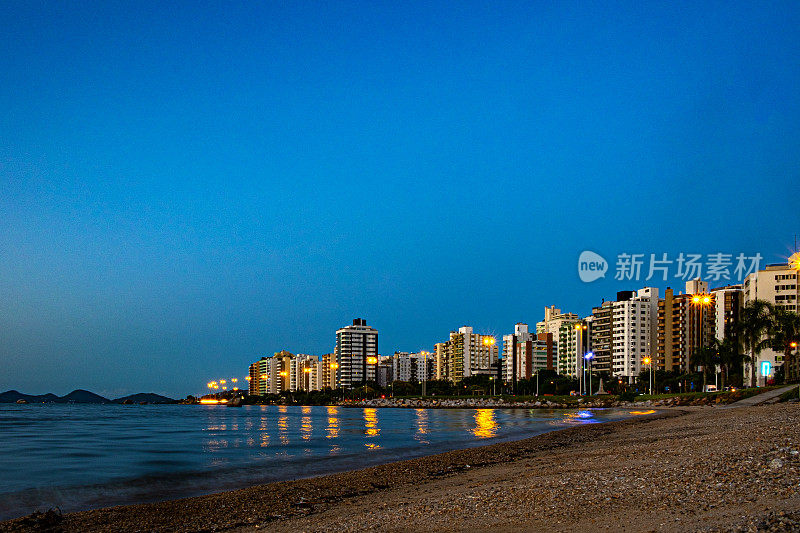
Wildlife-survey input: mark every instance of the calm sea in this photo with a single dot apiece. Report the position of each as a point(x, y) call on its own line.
point(86, 456)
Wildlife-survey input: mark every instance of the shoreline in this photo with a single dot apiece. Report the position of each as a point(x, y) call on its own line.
point(267, 503)
point(690, 469)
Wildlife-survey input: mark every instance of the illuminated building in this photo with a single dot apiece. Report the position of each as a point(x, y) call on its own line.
point(356, 354)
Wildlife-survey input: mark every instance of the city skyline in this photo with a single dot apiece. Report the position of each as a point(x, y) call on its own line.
point(187, 188)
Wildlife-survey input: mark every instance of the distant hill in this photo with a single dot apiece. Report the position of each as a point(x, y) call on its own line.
point(12, 396)
point(83, 396)
point(146, 397)
point(76, 396)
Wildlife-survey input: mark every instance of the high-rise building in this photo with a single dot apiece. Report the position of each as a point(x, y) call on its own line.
point(778, 285)
point(633, 331)
point(356, 354)
point(574, 341)
point(328, 371)
point(559, 325)
point(385, 374)
point(471, 354)
point(728, 302)
point(442, 352)
point(686, 322)
point(258, 384)
point(272, 375)
point(413, 367)
point(525, 353)
point(600, 337)
point(306, 373)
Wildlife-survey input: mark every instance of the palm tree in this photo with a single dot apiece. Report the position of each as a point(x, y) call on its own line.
point(754, 324)
point(705, 357)
point(729, 356)
point(783, 332)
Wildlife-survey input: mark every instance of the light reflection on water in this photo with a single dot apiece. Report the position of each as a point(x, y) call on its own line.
point(485, 424)
point(81, 456)
point(421, 426)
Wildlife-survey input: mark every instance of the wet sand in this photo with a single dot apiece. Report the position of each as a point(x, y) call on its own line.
point(676, 470)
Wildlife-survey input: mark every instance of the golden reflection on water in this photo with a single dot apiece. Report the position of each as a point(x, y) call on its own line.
point(371, 427)
point(421, 425)
point(333, 423)
point(486, 425)
point(262, 427)
point(305, 424)
point(283, 425)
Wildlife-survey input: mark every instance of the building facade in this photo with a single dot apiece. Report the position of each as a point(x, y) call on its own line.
point(686, 322)
point(778, 285)
point(600, 337)
point(466, 354)
point(526, 353)
point(633, 331)
point(559, 325)
point(356, 354)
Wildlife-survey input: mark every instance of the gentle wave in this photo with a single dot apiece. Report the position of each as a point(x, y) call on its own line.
point(81, 456)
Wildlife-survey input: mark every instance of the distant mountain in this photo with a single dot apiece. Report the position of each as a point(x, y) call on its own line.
point(146, 397)
point(83, 396)
point(12, 396)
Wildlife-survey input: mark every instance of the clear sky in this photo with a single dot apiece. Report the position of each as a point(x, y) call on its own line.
point(185, 187)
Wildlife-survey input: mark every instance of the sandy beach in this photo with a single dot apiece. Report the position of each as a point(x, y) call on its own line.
point(680, 469)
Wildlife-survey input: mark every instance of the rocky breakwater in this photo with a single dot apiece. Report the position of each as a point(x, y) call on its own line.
point(540, 403)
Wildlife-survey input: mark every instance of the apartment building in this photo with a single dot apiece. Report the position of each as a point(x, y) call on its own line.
point(356, 353)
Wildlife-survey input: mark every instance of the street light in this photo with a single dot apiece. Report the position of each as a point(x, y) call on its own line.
point(700, 301)
point(589, 356)
point(649, 362)
point(424, 371)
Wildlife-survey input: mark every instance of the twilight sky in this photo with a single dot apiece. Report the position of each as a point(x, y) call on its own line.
point(185, 187)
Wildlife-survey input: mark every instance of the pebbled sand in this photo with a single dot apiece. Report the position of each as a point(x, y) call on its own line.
point(701, 469)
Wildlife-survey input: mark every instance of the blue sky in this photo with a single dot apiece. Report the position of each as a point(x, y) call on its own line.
point(189, 186)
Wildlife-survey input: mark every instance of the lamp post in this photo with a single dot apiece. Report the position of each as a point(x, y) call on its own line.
point(648, 361)
point(424, 371)
point(700, 301)
point(491, 378)
point(793, 346)
point(371, 361)
point(588, 357)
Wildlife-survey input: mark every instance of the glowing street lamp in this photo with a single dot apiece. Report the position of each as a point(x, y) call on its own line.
point(700, 301)
point(424, 355)
point(588, 357)
point(649, 361)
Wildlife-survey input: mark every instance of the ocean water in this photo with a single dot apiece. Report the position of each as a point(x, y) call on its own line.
point(77, 457)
